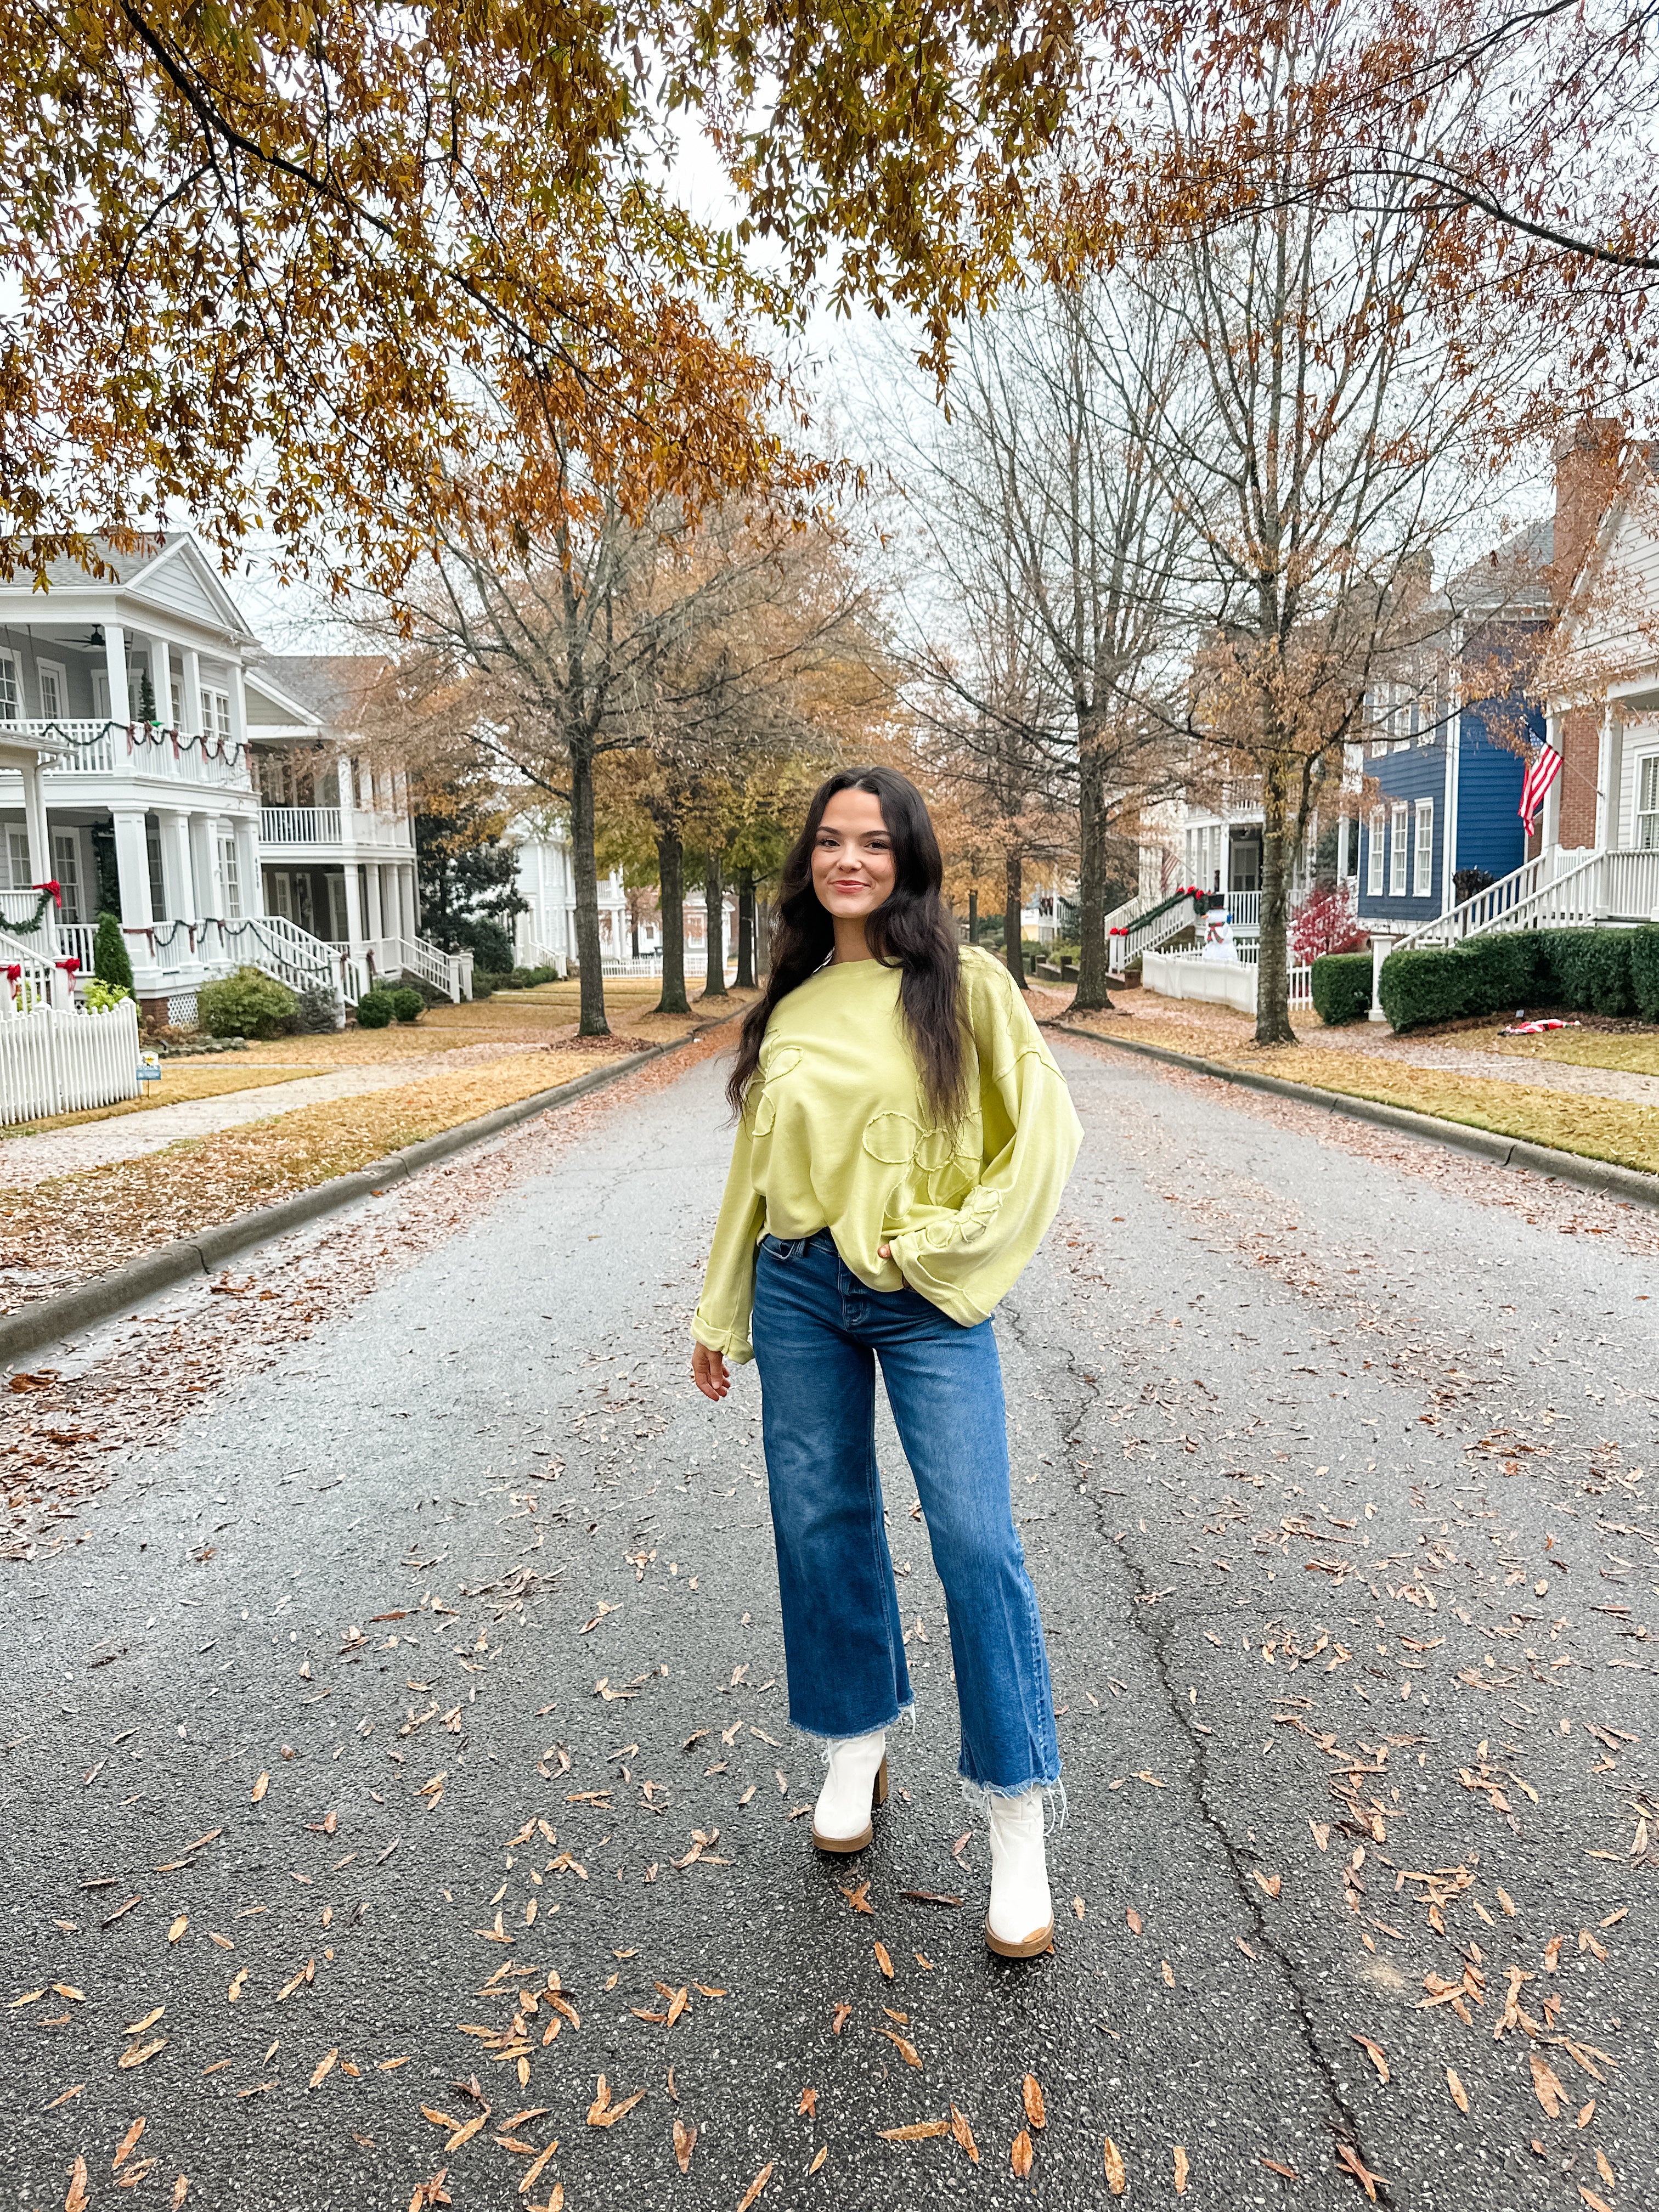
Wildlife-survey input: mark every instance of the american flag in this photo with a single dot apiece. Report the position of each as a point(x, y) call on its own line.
point(1541, 772)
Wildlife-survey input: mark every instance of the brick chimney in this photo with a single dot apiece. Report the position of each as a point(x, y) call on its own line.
point(1587, 467)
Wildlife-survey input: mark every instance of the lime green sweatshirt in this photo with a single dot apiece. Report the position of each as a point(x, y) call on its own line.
point(835, 1134)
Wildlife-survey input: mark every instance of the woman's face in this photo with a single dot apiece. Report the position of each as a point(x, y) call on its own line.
point(853, 865)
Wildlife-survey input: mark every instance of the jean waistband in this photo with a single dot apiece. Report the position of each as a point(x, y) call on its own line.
point(786, 1248)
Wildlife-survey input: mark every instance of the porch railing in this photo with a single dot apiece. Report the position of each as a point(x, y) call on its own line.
point(1618, 888)
point(299, 825)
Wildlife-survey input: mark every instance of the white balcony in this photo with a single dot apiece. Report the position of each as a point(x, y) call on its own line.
point(143, 751)
point(299, 825)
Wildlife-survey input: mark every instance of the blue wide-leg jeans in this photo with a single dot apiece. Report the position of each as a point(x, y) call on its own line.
point(818, 1332)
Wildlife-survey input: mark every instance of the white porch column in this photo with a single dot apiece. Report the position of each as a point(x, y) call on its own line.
point(115, 666)
point(1381, 945)
point(1609, 774)
point(204, 834)
point(354, 899)
point(375, 916)
point(405, 900)
point(132, 868)
point(244, 831)
point(1551, 824)
point(34, 824)
point(161, 678)
point(192, 690)
point(174, 823)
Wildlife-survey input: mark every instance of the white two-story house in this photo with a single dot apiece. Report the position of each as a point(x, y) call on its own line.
point(133, 714)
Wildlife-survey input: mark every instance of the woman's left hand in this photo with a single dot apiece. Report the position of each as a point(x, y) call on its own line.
point(886, 1252)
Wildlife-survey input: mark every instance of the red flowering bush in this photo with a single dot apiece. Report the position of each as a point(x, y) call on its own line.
point(1325, 922)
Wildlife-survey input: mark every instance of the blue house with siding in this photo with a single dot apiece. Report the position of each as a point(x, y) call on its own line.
point(1442, 774)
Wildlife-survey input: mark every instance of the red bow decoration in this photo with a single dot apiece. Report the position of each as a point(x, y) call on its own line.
point(53, 887)
point(15, 971)
point(70, 966)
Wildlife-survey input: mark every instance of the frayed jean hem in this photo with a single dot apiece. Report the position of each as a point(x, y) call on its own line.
point(979, 1796)
point(906, 1712)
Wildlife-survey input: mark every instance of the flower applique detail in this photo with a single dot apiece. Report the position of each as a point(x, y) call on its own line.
point(900, 1141)
point(776, 1060)
point(968, 1223)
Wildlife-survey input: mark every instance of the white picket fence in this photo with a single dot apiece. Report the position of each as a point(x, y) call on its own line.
point(1221, 983)
point(62, 1059)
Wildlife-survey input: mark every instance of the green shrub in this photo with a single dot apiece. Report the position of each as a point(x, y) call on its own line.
point(1342, 987)
point(1588, 969)
point(110, 961)
point(249, 1004)
point(487, 980)
point(375, 1009)
point(1644, 972)
point(1593, 971)
point(101, 996)
point(408, 1005)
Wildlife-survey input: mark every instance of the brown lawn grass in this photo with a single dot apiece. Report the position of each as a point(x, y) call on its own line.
point(79, 1225)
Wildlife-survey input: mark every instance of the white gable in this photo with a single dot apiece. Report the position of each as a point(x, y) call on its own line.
point(270, 708)
point(181, 579)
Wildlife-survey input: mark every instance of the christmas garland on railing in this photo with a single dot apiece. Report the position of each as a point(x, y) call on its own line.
point(52, 894)
point(230, 751)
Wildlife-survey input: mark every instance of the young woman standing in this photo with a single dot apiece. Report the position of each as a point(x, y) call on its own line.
point(903, 1140)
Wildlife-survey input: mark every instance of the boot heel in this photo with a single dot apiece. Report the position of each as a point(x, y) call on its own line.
point(878, 1794)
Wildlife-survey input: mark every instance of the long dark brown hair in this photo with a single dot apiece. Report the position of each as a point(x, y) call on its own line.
point(909, 931)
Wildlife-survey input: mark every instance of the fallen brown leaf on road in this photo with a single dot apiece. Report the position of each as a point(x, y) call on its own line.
point(180, 2190)
point(824, 2153)
point(603, 2113)
point(1351, 2162)
point(260, 1789)
point(178, 1927)
point(858, 1899)
point(124, 2149)
point(1180, 2171)
point(685, 2142)
point(843, 2014)
point(884, 1961)
point(1374, 2051)
point(907, 2051)
point(1597, 2203)
point(144, 2051)
point(809, 2103)
point(1167, 1972)
point(464, 2134)
point(1031, 2094)
point(1546, 2084)
point(534, 2172)
point(755, 2187)
point(1019, 2154)
point(917, 2131)
point(1116, 2180)
point(1460, 2095)
point(964, 2134)
point(76, 2199)
point(1270, 1883)
point(1133, 1919)
point(1289, 2173)
point(325, 2067)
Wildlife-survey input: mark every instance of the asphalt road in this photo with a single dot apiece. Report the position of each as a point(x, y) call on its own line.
point(1328, 1453)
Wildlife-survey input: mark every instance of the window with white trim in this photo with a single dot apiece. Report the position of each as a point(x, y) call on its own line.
point(17, 860)
point(1647, 803)
point(1422, 851)
point(1397, 850)
point(216, 712)
point(66, 868)
point(54, 692)
point(1374, 855)
point(230, 880)
point(11, 700)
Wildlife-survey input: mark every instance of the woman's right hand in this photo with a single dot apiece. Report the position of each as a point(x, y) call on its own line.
point(710, 1372)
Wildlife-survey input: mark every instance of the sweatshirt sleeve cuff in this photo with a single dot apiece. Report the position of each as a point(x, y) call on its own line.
point(732, 1343)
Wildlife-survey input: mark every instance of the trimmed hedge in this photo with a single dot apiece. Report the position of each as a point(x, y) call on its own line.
point(376, 1010)
point(1342, 987)
point(1644, 972)
point(1594, 971)
point(408, 1005)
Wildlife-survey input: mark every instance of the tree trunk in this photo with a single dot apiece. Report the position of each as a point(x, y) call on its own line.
point(1091, 996)
point(973, 917)
point(714, 899)
point(1013, 900)
point(633, 927)
point(745, 929)
point(585, 878)
point(670, 895)
point(762, 937)
point(1272, 1011)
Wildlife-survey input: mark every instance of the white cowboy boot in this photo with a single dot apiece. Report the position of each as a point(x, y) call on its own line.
point(1021, 1920)
point(855, 1784)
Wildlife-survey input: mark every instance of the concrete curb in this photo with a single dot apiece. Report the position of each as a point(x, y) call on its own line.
point(1600, 1176)
point(169, 1265)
